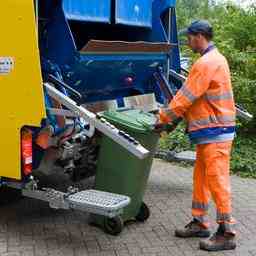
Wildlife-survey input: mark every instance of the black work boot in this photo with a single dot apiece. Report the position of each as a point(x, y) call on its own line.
point(193, 229)
point(220, 241)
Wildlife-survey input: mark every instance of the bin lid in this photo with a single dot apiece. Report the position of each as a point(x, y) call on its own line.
point(133, 119)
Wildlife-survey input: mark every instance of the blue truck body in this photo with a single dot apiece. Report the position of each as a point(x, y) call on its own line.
point(67, 26)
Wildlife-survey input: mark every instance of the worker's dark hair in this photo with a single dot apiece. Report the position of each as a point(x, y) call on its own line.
point(208, 35)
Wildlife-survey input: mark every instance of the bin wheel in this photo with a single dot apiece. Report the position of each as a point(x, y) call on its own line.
point(113, 226)
point(144, 213)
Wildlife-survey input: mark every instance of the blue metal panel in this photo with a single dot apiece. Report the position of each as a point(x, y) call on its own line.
point(102, 76)
point(134, 12)
point(56, 41)
point(88, 10)
point(159, 8)
point(175, 54)
point(167, 3)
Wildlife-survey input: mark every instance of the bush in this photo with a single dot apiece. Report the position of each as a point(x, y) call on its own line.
point(243, 160)
point(176, 141)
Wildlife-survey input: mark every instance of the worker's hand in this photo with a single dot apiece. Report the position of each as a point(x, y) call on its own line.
point(159, 127)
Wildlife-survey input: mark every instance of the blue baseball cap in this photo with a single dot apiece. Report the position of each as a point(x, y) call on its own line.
point(196, 27)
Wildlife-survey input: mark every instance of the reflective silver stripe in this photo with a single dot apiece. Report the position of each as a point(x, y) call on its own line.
point(212, 120)
point(229, 227)
point(201, 219)
point(188, 94)
point(227, 221)
point(171, 114)
point(224, 96)
point(223, 217)
point(201, 206)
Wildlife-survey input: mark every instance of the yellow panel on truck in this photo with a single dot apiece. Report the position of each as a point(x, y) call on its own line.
point(21, 90)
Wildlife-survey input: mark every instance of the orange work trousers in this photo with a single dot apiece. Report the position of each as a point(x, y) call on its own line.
point(212, 179)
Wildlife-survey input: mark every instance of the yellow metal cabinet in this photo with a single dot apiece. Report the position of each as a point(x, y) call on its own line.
point(21, 91)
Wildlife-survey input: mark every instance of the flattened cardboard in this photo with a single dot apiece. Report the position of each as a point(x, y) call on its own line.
point(97, 46)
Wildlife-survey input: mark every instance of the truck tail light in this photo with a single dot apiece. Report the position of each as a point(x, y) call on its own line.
point(26, 151)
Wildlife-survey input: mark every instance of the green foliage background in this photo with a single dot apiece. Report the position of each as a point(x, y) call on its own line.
point(235, 36)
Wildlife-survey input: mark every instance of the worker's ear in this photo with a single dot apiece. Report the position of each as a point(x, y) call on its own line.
point(199, 37)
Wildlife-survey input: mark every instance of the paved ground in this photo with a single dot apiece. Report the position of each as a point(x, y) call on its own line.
point(29, 227)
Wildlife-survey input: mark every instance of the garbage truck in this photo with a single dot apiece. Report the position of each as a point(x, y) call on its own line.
point(62, 64)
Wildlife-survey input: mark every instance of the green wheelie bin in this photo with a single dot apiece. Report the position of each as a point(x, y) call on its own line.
point(118, 171)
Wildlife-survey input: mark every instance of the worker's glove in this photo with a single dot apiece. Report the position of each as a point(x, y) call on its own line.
point(159, 128)
point(162, 127)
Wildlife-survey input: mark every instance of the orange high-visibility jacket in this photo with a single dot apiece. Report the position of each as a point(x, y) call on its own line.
point(206, 99)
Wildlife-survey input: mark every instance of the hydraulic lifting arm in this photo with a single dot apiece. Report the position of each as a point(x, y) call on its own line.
point(102, 125)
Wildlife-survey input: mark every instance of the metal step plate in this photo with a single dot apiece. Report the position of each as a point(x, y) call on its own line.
point(98, 202)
